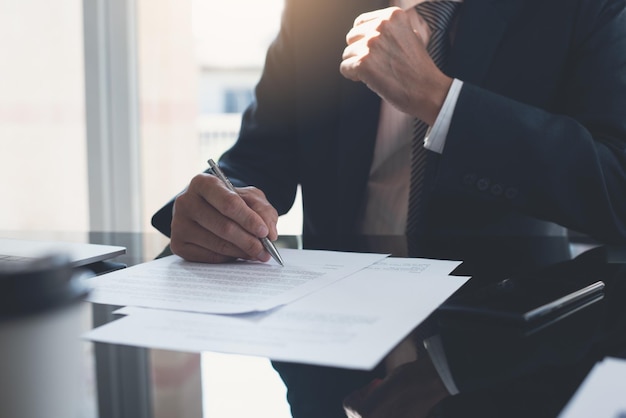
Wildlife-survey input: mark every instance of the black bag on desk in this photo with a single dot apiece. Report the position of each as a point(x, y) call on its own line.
point(521, 368)
point(526, 302)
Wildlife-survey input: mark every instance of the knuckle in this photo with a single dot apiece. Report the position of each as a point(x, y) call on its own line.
point(231, 203)
point(269, 212)
point(252, 191)
point(260, 193)
point(227, 228)
point(372, 43)
point(202, 182)
point(252, 246)
point(197, 180)
point(181, 202)
point(223, 247)
point(394, 12)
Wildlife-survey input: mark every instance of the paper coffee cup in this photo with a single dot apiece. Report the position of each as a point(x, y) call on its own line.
point(41, 355)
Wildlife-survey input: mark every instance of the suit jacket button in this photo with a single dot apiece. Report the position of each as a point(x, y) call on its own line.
point(482, 184)
point(497, 190)
point(511, 193)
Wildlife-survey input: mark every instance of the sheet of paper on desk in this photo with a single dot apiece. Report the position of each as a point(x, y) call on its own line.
point(238, 287)
point(351, 323)
point(601, 393)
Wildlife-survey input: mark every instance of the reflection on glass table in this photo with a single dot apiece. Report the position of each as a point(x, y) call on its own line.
point(496, 368)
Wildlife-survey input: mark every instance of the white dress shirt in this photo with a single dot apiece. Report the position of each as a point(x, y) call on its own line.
point(387, 194)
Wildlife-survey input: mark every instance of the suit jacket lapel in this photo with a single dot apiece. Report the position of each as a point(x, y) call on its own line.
point(482, 24)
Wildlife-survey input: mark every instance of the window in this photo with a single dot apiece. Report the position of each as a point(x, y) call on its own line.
point(191, 66)
point(42, 116)
point(199, 61)
point(236, 99)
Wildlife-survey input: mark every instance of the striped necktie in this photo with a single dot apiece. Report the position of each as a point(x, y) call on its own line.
point(437, 15)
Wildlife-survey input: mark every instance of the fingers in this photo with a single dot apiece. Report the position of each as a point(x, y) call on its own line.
point(386, 51)
point(375, 15)
point(235, 214)
point(373, 37)
point(212, 224)
point(199, 245)
point(351, 59)
point(357, 49)
point(256, 200)
point(371, 24)
point(363, 31)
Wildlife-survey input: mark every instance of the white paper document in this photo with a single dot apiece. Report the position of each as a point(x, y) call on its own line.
point(351, 323)
point(238, 287)
point(602, 394)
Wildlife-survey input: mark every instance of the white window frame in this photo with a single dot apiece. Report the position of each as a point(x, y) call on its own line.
point(113, 167)
point(112, 115)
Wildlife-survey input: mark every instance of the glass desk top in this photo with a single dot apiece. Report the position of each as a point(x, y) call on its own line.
point(508, 370)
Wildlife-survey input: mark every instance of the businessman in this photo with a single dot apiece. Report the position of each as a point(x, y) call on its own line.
point(527, 137)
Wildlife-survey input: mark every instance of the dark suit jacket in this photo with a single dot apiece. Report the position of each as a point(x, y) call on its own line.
point(538, 136)
point(537, 140)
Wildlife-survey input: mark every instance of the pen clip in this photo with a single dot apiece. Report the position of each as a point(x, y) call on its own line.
point(220, 174)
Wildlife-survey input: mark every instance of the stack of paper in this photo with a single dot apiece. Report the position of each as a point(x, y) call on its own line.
point(602, 392)
point(326, 308)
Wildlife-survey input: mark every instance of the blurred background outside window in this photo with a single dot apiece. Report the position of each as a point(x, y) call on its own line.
point(197, 63)
point(43, 166)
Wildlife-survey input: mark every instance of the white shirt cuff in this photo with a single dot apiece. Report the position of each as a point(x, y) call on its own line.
point(438, 357)
point(436, 135)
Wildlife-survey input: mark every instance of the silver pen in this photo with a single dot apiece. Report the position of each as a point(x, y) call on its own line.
point(269, 245)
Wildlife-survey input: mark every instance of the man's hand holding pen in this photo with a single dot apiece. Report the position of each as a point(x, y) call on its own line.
point(213, 224)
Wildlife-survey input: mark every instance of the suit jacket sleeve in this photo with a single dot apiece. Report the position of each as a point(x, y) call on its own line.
point(261, 156)
point(545, 132)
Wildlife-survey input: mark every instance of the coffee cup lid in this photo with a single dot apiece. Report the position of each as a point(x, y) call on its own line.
point(43, 284)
